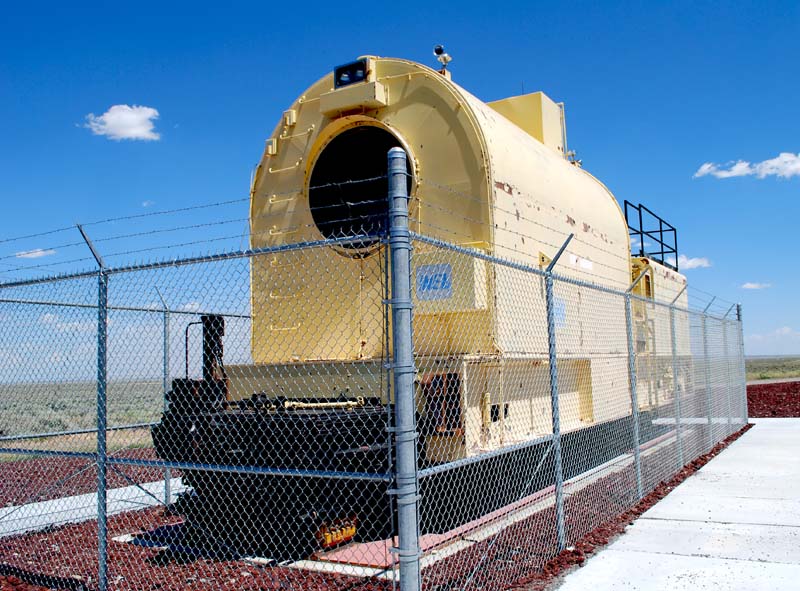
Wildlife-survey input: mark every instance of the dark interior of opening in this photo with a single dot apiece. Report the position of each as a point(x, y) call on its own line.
point(349, 186)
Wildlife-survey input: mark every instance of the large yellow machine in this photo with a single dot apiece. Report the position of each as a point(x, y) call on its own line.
point(489, 176)
point(490, 180)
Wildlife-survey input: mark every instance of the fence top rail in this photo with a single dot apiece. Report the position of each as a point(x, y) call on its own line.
point(472, 252)
point(207, 258)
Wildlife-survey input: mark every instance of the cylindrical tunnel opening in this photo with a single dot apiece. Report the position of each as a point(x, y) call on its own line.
point(348, 189)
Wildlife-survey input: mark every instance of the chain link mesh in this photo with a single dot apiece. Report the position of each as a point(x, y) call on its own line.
point(641, 389)
point(250, 432)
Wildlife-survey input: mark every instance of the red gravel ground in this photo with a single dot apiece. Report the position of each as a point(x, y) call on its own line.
point(52, 477)
point(71, 552)
point(521, 557)
point(774, 400)
point(19, 584)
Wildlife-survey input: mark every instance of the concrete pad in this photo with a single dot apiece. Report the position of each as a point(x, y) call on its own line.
point(715, 540)
point(749, 485)
point(727, 509)
point(735, 525)
point(650, 571)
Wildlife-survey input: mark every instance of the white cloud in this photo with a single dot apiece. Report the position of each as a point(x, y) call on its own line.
point(783, 332)
point(785, 165)
point(191, 307)
point(123, 122)
point(55, 322)
point(750, 285)
point(685, 262)
point(781, 341)
point(35, 253)
point(48, 318)
point(148, 203)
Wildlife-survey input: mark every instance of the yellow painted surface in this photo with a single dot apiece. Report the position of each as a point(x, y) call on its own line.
point(652, 329)
point(662, 283)
point(536, 114)
point(368, 95)
point(479, 180)
point(489, 177)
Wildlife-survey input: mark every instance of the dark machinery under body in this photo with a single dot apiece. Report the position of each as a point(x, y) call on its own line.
point(297, 471)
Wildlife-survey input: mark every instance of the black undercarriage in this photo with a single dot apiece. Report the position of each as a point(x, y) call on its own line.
point(280, 512)
point(270, 475)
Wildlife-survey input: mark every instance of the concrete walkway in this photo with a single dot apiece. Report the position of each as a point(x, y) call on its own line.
point(773, 381)
point(45, 514)
point(734, 525)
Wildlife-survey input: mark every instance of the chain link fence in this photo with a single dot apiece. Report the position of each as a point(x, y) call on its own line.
point(383, 411)
point(592, 398)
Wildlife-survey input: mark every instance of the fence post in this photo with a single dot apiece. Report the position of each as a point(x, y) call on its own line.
point(102, 470)
point(740, 361)
point(637, 456)
point(165, 386)
point(555, 411)
point(677, 393)
point(727, 372)
point(555, 407)
point(406, 485)
point(707, 368)
point(102, 382)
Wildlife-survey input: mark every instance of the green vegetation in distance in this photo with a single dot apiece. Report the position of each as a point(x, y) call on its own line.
point(42, 407)
point(772, 368)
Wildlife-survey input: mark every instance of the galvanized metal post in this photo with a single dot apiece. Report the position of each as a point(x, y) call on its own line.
point(555, 412)
point(102, 471)
point(707, 367)
point(165, 386)
point(406, 484)
point(742, 370)
point(637, 456)
point(675, 385)
point(102, 382)
point(555, 407)
point(728, 375)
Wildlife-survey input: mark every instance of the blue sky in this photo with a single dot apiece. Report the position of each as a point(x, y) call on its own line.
point(653, 92)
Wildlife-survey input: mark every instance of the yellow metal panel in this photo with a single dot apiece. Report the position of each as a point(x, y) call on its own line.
point(365, 94)
point(661, 284)
point(293, 292)
point(447, 282)
point(479, 180)
point(537, 115)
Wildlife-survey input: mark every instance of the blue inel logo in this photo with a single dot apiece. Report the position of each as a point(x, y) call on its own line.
point(435, 282)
